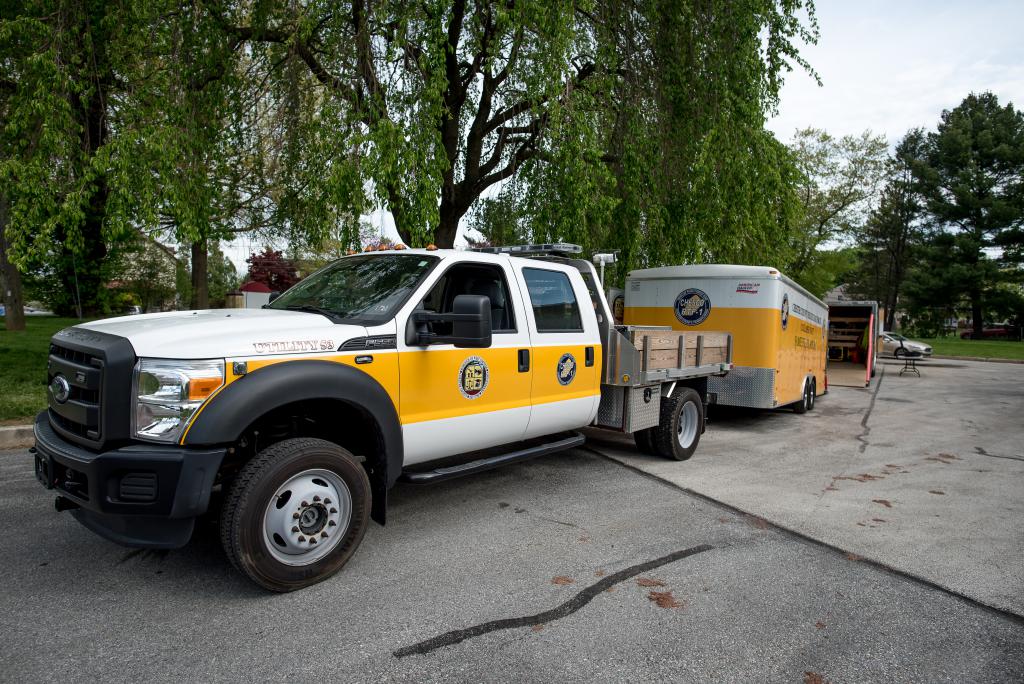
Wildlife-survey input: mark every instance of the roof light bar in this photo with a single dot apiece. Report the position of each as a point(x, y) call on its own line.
point(544, 248)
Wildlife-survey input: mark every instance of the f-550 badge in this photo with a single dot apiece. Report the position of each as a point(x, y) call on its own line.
point(473, 377)
point(566, 369)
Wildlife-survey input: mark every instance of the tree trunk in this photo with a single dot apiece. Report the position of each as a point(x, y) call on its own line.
point(200, 279)
point(448, 228)
point(978, 322)
point(14, 308)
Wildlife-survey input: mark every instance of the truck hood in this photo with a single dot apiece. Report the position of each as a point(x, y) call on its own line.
point(221, 333)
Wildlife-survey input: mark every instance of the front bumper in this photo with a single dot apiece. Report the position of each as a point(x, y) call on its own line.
point(139, 495)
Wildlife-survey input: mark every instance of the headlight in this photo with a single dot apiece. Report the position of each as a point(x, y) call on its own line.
point(169, 392)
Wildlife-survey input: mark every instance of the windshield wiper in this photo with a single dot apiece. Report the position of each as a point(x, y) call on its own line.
point(332, 315)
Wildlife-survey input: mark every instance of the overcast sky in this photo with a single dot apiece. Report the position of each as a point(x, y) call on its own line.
point(891, 66)
point(884, 66)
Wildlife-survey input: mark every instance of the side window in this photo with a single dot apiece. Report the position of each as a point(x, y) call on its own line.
point(460, 279)
point(554, 303)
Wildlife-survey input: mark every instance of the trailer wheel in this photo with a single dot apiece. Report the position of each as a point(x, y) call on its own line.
point(682, 422)
point(803, 404)
point(644, 441)
point(295, 514)
point(812, 395)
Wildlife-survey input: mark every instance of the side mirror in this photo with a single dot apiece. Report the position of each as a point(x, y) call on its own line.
point(470, 319)
point(273, 295)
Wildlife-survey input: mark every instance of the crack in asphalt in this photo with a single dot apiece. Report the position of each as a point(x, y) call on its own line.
point(863, 436)
point(568, 608)
point(982, 452)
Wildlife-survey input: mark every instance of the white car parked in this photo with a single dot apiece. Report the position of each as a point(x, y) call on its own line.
point(893, 344)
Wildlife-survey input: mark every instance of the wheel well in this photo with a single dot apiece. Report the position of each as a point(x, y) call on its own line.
point(347, 425)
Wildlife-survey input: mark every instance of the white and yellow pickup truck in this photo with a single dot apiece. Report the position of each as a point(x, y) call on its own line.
point(412, 364)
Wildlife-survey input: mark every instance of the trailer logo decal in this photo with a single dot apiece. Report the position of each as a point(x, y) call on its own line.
point(473, 377)
point(785, 311)
point(692, 306)
point(566, 369)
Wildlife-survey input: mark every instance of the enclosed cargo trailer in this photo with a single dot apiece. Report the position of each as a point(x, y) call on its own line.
point(777, 327)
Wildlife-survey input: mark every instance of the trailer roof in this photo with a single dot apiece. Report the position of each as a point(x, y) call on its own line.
point(720, 271)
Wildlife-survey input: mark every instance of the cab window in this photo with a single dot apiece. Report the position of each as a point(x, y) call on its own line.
point(555, 308)
point(475, 279)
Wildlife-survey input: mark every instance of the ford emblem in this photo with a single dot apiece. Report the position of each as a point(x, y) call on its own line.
point(60, 389)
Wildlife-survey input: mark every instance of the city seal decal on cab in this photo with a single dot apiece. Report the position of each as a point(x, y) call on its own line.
point(785, 311)
point(566, 371)
point(473, 377)
point(692, 306)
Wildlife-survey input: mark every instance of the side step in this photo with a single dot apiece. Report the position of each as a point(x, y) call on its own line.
point(494, 460)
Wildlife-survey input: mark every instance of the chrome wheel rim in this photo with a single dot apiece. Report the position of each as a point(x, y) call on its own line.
point(306, 517)
point(688, 420)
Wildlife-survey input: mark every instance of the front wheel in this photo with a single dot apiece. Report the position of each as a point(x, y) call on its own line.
point(682, 422)
point(295, 514)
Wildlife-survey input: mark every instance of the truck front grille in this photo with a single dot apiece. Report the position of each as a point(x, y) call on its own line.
point(80, 413)
point(97, 368)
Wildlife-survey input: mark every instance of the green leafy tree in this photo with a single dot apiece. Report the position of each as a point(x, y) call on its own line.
point(894, 230)
point(972, 179)
point(839, 180)
point(59, 76)
point(425, 104)
point(665, 156)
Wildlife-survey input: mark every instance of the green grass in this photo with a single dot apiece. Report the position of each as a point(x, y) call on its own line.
point(23, 367)
point(990, 349)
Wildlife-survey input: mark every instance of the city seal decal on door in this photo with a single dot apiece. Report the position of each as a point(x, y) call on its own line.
point(692, 306)
point(785, 311)
point(566, 369)
point(473, 377)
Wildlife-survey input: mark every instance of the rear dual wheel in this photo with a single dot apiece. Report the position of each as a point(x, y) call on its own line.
point(295, 514)
point(677, 433)
point(806, 402)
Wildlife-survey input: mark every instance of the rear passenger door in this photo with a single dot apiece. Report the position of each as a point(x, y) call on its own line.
point(565, 349)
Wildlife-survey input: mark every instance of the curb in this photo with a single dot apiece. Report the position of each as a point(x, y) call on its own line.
point(977, 358)
point(16, 437)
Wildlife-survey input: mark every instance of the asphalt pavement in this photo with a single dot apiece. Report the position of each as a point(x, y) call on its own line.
point(923, 474)
point(572, 567)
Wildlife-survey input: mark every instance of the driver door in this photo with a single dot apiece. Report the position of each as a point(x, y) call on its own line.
point(453, 400)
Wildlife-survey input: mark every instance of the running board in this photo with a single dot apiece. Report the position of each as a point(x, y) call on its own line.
point(488, 462)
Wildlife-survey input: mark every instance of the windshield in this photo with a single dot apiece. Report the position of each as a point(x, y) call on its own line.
point(896, 337)
point(365, 289)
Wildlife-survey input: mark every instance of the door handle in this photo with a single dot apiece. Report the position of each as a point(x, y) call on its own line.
point(589, 356)
point(524, 360)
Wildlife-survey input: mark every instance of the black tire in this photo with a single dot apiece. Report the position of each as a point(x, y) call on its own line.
point(801, 405)
point(247, 503)
point(668, 436)
point(812, 395)
point(644, 441)
point(899, 353)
